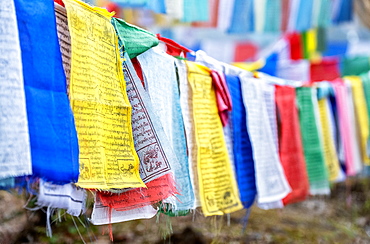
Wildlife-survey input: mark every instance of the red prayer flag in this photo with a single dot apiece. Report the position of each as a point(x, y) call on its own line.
point(223, 98)
point(245, 51)
point(326, 69)
point(60, 2)
point(173, 48)
point(138, 69)
point(296, 45)
point(111, 6)
point(158, 190)
point(290, 144)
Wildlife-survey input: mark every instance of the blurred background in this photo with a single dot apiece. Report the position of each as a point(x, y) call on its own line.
point(246, 30)
point(233, 31)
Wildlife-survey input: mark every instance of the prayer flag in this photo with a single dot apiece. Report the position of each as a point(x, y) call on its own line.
point(312, 142)
point(53, 138)
point(99, 101)
point(217, 185)
point(290, 144)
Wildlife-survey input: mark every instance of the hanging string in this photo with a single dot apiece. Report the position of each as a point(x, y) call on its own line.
point(48, 224)
point(246, 219)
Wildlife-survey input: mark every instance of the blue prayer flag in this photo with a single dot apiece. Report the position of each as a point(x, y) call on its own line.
point(242, 148)
point(53, 137)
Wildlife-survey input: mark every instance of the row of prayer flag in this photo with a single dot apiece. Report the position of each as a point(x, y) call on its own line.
point(296, 56)
point(99, 105)
point(242, 16)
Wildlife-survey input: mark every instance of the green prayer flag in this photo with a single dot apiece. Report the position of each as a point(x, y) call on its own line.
point(312, 141)
point(355, 65)
point(304, 37)
point(365, 78)
point(321, 39)
point(135, 40)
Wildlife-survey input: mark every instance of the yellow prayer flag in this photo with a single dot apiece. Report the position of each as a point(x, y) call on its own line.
point(330, 155)
point(311, 40)
point(99, 101)
point(311, 45)
point(361, 115)
point(250, 66)
point(217, 186)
